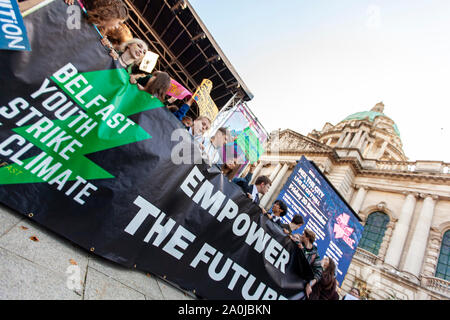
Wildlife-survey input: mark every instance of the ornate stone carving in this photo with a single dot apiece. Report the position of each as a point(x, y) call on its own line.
point(292, 141)
point(381, 206)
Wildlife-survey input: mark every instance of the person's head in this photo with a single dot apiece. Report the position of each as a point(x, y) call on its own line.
point(136, 49)
point(328, 274)
point(107, 14)
point(263, 184)
point(355, 292)
point(201, 125)
point(172, 108)
point(296, 222)
point(231, 163)
point(328, 264)
point(187, 121)
point(279, 208)
point(158, 84)
point(119, 36)
point(230, 167)
point(308, 237)
point(220, 138)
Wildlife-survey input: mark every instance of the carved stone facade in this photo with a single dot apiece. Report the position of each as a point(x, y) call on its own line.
point(362, 156)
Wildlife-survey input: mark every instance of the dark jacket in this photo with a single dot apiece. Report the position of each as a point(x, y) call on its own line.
point(244, 183)
point(314, 261)
point(284, 225)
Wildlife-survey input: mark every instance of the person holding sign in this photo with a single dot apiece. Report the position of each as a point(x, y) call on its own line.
point(132, 53)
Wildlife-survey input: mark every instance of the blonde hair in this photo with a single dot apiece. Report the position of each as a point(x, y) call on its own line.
point(125, 45)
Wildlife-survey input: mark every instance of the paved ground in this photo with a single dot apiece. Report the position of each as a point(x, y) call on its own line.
point(38, 264)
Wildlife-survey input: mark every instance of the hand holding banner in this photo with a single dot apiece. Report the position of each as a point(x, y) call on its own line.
point(177, 90)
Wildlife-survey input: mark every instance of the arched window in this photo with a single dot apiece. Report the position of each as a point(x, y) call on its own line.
point(443, 265)
point(374, 230)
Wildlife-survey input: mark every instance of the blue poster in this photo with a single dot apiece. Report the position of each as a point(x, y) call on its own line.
point(13, 34)
point(337, 228)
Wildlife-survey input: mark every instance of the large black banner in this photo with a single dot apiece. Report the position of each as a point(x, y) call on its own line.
point(88, 155)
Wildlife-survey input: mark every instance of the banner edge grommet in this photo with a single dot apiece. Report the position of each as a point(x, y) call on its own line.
point(92, 249)
point(31, 214)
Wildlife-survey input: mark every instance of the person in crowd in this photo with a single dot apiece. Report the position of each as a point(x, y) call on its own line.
point(198, 129)
point(310, 250)
point(279, 210)
point(296, 223)
point(213, 146)
point(230, 168)
point(325, 289)
point(261, 186)
point(354, 294)
point(133, 51)
point(158, 85)
point(181, 113)
point(187, 121)
point(105, 14)
point(172, 108)
point(119, 36)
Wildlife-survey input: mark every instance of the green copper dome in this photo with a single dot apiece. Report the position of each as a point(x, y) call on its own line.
point(371, 115)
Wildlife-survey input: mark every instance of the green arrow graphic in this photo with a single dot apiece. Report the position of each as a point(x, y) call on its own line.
point(121, 98)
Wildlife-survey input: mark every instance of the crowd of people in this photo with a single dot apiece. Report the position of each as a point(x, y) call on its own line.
point(109, 17)
point(324, 285)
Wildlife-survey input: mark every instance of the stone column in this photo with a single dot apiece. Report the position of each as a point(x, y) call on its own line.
point(362, 141)
point(359, 198)
point(416, 252)
point(341, 138)
point(257, 171)
point(398, 239)
point(356, 139)
point(275, 171)
point(383, 148)
point(275, 184)
point(346, 140)
point(367, 148)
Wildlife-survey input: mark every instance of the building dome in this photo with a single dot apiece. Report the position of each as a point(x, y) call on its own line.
point(374, 134)
point(371, 115)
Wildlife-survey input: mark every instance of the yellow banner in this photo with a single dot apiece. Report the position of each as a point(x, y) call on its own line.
point(205, 103)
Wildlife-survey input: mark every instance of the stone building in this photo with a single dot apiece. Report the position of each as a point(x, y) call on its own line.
point(404, 205)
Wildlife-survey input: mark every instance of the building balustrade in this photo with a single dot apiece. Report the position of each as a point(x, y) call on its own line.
point(437, 285)
point(406, 166)
point(366, 256)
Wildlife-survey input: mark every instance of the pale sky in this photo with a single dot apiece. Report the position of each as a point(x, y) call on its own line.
point(317, 61)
